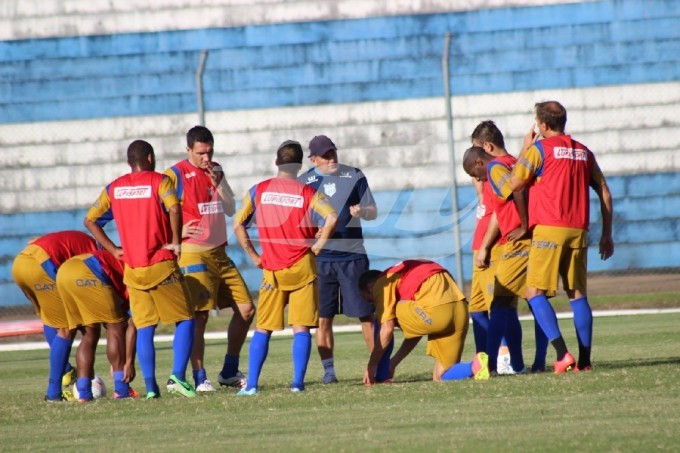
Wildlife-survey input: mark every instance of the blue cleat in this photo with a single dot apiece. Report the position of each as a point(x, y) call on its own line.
point(247, 392)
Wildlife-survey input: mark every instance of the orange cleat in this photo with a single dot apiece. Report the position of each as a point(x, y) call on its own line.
point(566, 364)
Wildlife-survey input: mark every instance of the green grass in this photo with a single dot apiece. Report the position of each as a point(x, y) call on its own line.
point(628, 403)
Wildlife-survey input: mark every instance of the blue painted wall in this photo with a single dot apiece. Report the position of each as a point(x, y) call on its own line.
point(417, 223)
point(559, 46)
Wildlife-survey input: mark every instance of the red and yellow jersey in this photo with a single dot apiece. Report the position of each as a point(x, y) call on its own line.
point(200, 201)
point(284, 210)
point(109, 270)
point(484, 212)
point(498, 175)
point(138, 202)
point(60, 246)
point(405, 281)
point(563, 170)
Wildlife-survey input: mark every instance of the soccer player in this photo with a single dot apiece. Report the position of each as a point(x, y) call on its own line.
point(35, 271)
point(213, 280)
point(510, 270)
point(559, 171)
point(344, 258)
point(421, 298)
point(149, 220)
point(287, 215)
point(93, 293)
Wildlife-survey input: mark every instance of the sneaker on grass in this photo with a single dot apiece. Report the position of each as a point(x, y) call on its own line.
point(205, 387)
point(236, 380)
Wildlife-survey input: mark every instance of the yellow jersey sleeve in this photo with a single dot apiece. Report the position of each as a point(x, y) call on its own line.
point(385, 297)
point(167, 193)
point(100, 207)
point(499, 178)
point(321, 205)
point(527, 164)
point(243, 215)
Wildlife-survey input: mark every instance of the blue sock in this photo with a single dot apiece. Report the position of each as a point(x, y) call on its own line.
point(545, 315)
point(59, 351)
point(259, 348)
point(541, 348)
point(513, 337)
point(199, 376)
point(383, 372)
point(146, 354)
point(230, 367)
point(50, 333)
point(498, 321)
point(120, 387)
point(480, 327)
point(182, 343)
point(302, 348)
point(462, 370)
point(583, 321)
point(84, 386)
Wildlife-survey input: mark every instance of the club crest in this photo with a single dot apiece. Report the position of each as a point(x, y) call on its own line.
point(329, 189)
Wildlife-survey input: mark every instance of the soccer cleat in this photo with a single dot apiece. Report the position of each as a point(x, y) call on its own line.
point(237, 380)
point(132, 395)
point(584, 369)
point(249, 392)
point(480, 367)
point(152, 395)
point(537, 368)
point(297, 388)
point(205, 386)
point(329, 378)
point(85, 400)
point(179, 387)
point(69, 378)
point(64, 396)
point(566, 364)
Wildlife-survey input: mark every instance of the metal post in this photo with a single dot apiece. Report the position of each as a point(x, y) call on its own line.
point(452, 161)
point(199, 87)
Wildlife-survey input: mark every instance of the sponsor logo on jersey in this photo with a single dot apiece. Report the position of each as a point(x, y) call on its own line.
point(311, 179)
point(131, 192)
point(212, 207)
point(481, 210)
point(561, 152)
point(282, 199)
point(329, 189)
point(345, 174)
point(190, 175)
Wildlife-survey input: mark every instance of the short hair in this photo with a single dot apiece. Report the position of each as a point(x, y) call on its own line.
point(487, 131)
point(367, 278)
point(289, 153)
point(553, 114)
point(138, 152)
point(472, 154)
point(199, 134)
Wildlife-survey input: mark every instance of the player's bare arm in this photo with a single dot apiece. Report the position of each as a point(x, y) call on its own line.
point(520, 198)
point(492, 234)
point(330, 222)
point(100, 235)
point(175, 214)
point(607, 210)
point(192, 229)
point(386, 335)
point(404, 350)
point(246, 244)
point(224, 190)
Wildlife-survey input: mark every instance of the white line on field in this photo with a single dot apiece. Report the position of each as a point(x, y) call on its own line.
point(30, 346)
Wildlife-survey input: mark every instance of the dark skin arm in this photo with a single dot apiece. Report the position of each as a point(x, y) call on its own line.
point(520, 198)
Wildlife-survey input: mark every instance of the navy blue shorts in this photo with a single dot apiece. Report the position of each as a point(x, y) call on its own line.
point(339, 290)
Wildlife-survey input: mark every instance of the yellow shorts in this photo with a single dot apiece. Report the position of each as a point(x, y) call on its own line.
point(445, 325)
point(511, 270)
point(481, 293)
point(213, 280)
point(87, 300)
point(558, 251)
point(168, 302)
point(39, 287)
point(296, 287)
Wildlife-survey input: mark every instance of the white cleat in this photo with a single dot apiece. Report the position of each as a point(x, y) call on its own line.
point(503, 365)
point(206, 386)
point(239, 380)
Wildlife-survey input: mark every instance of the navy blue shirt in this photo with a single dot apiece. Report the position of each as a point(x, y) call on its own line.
point(344, 188)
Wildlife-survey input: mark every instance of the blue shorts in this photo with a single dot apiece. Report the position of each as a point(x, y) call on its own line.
point(339, 289)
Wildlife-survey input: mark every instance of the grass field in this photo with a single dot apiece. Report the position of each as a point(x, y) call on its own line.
point(628, 403)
